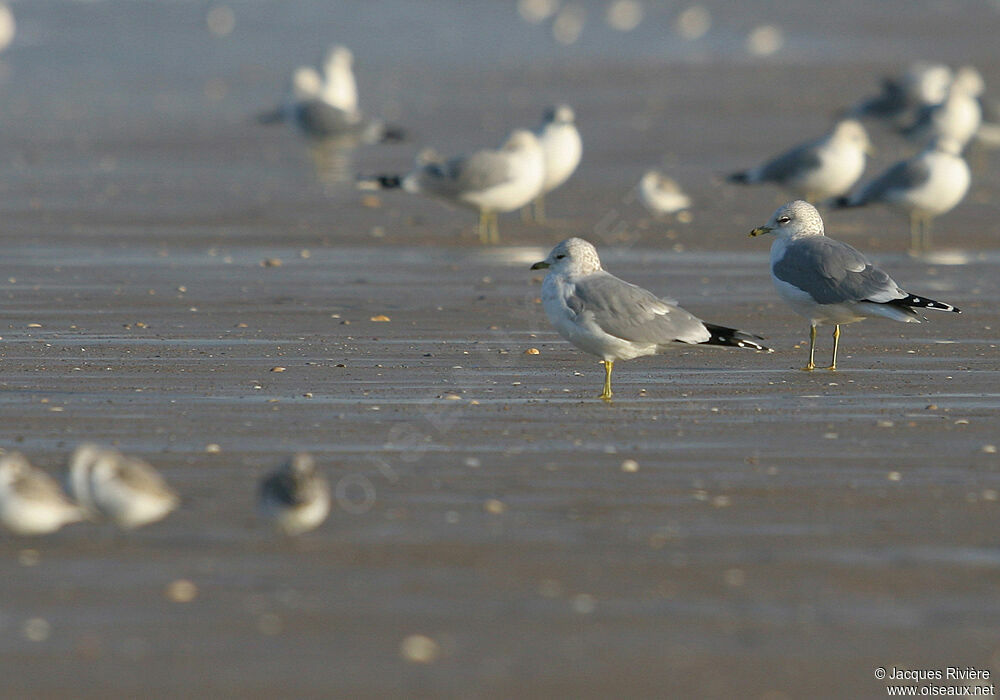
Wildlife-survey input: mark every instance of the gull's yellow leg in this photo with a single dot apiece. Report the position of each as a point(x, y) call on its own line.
point(836, 342)
point(608, 366)
point(494, 228)
point(540, 209)
point(812, 350)
point(484, 227)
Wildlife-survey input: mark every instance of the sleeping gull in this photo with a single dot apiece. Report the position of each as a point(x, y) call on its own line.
point(125, 490)
point(615, 320)
point(661, 195)
point(31, 502)
point(562, 148)
point(826, 167)
point(490, 181)
point(928, 185)
point(827, 281)
point(295, 498)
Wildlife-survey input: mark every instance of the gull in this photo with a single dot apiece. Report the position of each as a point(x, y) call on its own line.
point(295, 498)
point(562, 149)
point(661, 195)
point(490, 181)
point(957, 117)
point(307, 106)
point(125, 490)
point(928, 185)
point(339, 87)
point(826, 167)
point(923, 84)
point(614, 320)
point(829, 282)
point(31, 502)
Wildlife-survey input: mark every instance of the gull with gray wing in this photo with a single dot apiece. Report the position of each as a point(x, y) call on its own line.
point(829, 282)
point(614, 320)
point(489, 181)
point(925, 186)
point(31, 502)
point(826, 167)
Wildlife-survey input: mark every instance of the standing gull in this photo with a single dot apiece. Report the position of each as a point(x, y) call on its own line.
point(826, 167)
point(957, 117)
point(125, 490)
point(339, 86)
point(490, 181)
point(928, 185)
point(923, 84)
point(615, 320)
point(295, 498)
point(827, 281)
point(31, 502)
point(562, 149)
point(321, 111)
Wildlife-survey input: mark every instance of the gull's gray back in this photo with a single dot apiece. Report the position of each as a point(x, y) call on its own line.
point(633, 313)
point(832, 272)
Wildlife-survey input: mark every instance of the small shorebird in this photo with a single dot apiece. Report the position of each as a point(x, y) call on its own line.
point(125, 490)
point(31, 502)
point(295, 498)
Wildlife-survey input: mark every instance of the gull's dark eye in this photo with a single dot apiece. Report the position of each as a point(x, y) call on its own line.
point(783, 219)
point(560, 257)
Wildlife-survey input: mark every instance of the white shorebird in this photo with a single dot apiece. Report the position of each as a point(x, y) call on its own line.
point(489, 181)
point(562, 148)
point(926, 186)
point(614, 320)
point(295, 498)
point(31, 502)
point(819, 169)
point(957, 117)
point(829, 282)
point(661, 195)
point(125, 490)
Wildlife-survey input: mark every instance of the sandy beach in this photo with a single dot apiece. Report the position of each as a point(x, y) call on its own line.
point(213, 295)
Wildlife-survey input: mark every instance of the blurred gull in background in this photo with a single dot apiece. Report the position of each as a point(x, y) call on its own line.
point(562, 149)
point(923, 84)
point(957, 117)
point(925, 186)
point(489, 181)
point(819, 169)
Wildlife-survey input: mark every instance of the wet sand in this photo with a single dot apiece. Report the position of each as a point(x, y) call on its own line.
point(784, 534)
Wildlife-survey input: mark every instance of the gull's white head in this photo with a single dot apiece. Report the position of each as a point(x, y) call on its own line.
point(338, 56)
point(306, 83)
point(302, 466)
point(521, 140)
point(560, 114)
point(928, 82)
point(798, 218)
point(574, 256)
point(850, 131)
point(968, 81)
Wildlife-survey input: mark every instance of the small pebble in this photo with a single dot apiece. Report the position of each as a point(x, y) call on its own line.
point(181, 591)
point(381, 318)
point(532, 351)
point(213, 448)
point(278, 369)
point(270, 262)
point(894, 476)
point(989, 449)
point(630, 466)
point(419, 649)
point(494, 506)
